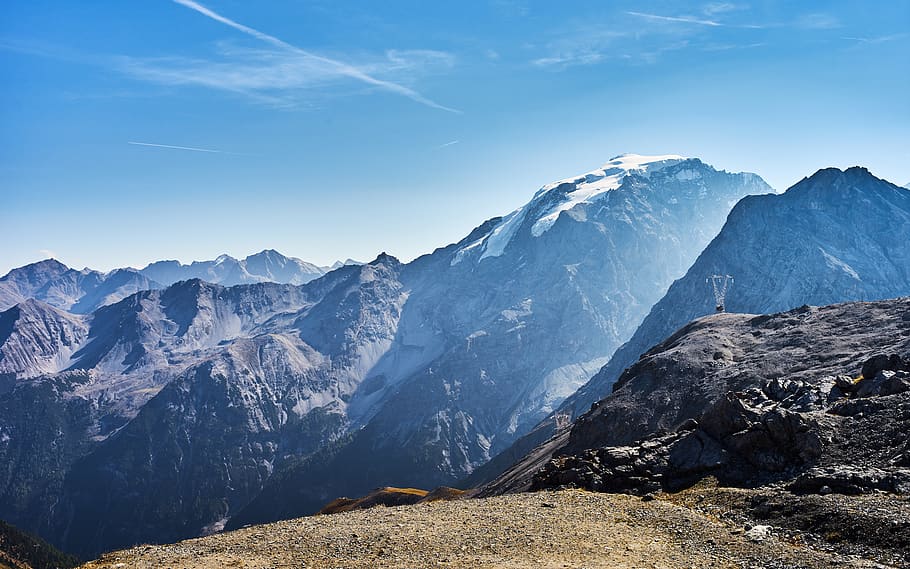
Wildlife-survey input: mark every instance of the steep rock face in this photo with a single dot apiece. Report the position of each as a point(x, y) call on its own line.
point(833, 237)
point(501, 327)
point(79, 292)
point(201, 447)
point(37, 339)
point(756, 398)
point(265, 266)
point(22, 283)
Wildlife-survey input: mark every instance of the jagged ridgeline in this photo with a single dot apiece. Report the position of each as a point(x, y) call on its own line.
point(173, 412)
point(83, 291)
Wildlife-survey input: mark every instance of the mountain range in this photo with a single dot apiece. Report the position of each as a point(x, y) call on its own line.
point(195, 406)
point(83, 291)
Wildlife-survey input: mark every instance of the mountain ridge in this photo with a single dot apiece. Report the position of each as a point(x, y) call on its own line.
point(386, 371)
point(83, 291)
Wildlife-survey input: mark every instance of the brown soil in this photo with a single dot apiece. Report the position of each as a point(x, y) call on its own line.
point(387, 496)
point(564, 528)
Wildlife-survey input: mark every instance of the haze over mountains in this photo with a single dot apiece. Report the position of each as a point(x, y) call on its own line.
point(82, 291)
point(266, 266)
point(175, 412)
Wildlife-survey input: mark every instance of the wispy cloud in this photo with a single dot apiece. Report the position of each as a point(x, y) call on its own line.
point(711, 23)
point(819, 21)
point(275, 78)
point(319, 68)
point(645, 38)
point(450, 143)
point(47, 253)
point(570, 58)
point(676, 19)
point(713, 8)
point(580, 46)
point(876, 39)
point(732, 46)
point(173, 147)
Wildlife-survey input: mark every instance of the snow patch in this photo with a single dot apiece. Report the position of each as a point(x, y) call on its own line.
point(495, 243)
point(836, 264)
point(597, 183)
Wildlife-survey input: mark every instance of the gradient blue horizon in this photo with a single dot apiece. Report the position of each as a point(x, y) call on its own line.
point(330, 130)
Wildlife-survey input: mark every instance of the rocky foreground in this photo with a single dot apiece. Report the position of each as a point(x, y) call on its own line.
point(701, 527)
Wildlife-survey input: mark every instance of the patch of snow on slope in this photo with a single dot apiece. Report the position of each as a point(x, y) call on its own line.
point(496, 242)
point(835, 263)
point(595, 184)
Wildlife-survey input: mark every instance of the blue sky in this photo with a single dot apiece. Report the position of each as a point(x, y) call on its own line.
point(334, 129)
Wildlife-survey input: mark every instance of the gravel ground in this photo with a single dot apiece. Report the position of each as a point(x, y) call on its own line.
point(874, 526)
point(554, 529)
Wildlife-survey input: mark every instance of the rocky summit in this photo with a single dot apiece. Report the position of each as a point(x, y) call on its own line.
point(809, 401)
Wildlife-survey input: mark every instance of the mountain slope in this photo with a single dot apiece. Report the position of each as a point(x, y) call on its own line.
point(79, 292)
point(72, 382)
point(500, 328)
point(832, 237)
point(19, 550)
point(36, 339)
point(751, 400)
point(22, 283)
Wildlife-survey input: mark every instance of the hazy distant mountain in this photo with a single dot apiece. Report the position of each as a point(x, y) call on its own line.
point(79, 292)
point(833, 237)
point(266, 266)
point(339, 264)
point(82, 291)
point(36, 339)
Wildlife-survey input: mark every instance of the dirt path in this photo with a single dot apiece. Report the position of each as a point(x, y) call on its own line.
point(567, 528)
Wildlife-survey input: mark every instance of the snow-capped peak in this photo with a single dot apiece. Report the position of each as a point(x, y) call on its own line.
point(582, 189)
point(594, 184)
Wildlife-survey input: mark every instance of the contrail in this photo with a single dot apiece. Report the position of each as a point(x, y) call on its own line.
point(448, 144)
point(341, 67)
point(681, 19)
point(177, 147)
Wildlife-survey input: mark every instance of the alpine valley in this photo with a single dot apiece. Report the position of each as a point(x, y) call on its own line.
point(178, 400)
